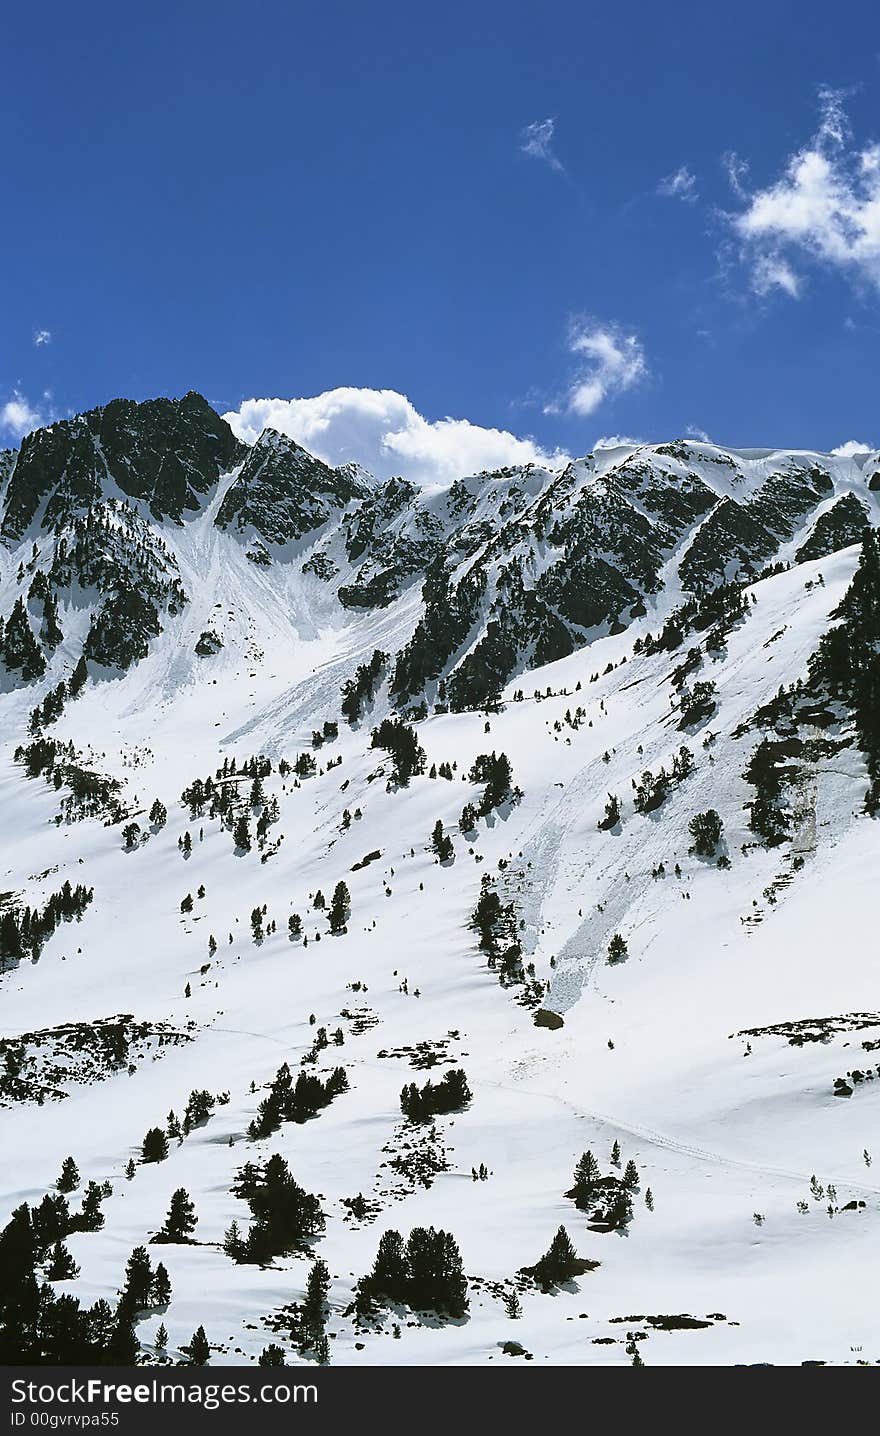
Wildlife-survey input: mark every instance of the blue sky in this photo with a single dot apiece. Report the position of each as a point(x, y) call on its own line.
point(558, 221)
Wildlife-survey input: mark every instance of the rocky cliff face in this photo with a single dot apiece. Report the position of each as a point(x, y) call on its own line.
point(510, 569)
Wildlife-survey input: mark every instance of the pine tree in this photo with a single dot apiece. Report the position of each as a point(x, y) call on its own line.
point(161, 1286)
point(123, 1347)
point(272, 1355)
point(242, 833)
point(631, 1175)
point(180, 1222)
point(620, 1209)
point(649, 1200)
point(559, 1263)
point(617, 949)
point(339, 908)
point(612, 813)
point(615, 1153)
point(51, 632)
point(294, 924)
point(69, 1179)
point(312, 1312)
point(78, 677)
point(586, 1174)
point(155, 1146)
point(706, 829)
point(91, 1218)
point(390, 1269)
point(62, 1266)
point(198, 1351)
point(233, 1245)
point(161, 1339)
point(138, 1280)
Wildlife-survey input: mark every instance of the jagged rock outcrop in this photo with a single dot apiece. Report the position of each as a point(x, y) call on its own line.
point(167, 453)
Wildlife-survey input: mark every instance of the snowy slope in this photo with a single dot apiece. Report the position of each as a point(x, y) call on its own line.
point(721, 1126)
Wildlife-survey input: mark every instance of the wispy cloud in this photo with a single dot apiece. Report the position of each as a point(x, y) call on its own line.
point(736, 170)
point(42, 337)
point(536, 141)
point(699, 434)
point(18, 416)
point(609, 361)
point(681, 184)
point(823, 210)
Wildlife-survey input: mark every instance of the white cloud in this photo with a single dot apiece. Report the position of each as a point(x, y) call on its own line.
point(615, 441)
point(609, 362)
point(681, 184)
point(536, 140)
point(383, 431)
point(18, 416)
point(42, 337)
point(851, 448)
point(699, 434)
point(825, 208)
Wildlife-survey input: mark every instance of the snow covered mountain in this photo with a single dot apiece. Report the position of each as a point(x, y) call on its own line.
point(320, 792)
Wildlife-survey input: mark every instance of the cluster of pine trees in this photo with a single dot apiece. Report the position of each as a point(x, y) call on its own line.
point(25, 931)
point(359, 691)
point(52, 706)
point(450, 1094)
point(424, 1273)
point(227, 796)
point(497, 926)
point(402, 742)
point(847, 661)
point(285, 1216)
point(290, 1101)
point(717, 610)
point(92, 795)
point(697, 704)
point(36, 1326)
point(607, 1199)
point(19, 647)
point(653, 789)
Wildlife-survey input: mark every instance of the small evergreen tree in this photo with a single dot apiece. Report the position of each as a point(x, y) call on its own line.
point(339, 908)
point(155, 1146)
point(706, 829)
point(158, 814)
point(559, 1263)
point(198, 1351)
point(69, 1178)
point(612, 813)
point(180, 1222)
point(138, 1287)
point(161, 1286)
point(617, 949)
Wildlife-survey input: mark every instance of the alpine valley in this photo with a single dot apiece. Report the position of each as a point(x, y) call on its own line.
point(435, 925)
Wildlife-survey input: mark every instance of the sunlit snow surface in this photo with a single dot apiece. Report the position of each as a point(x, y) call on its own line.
point(717, 1135)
